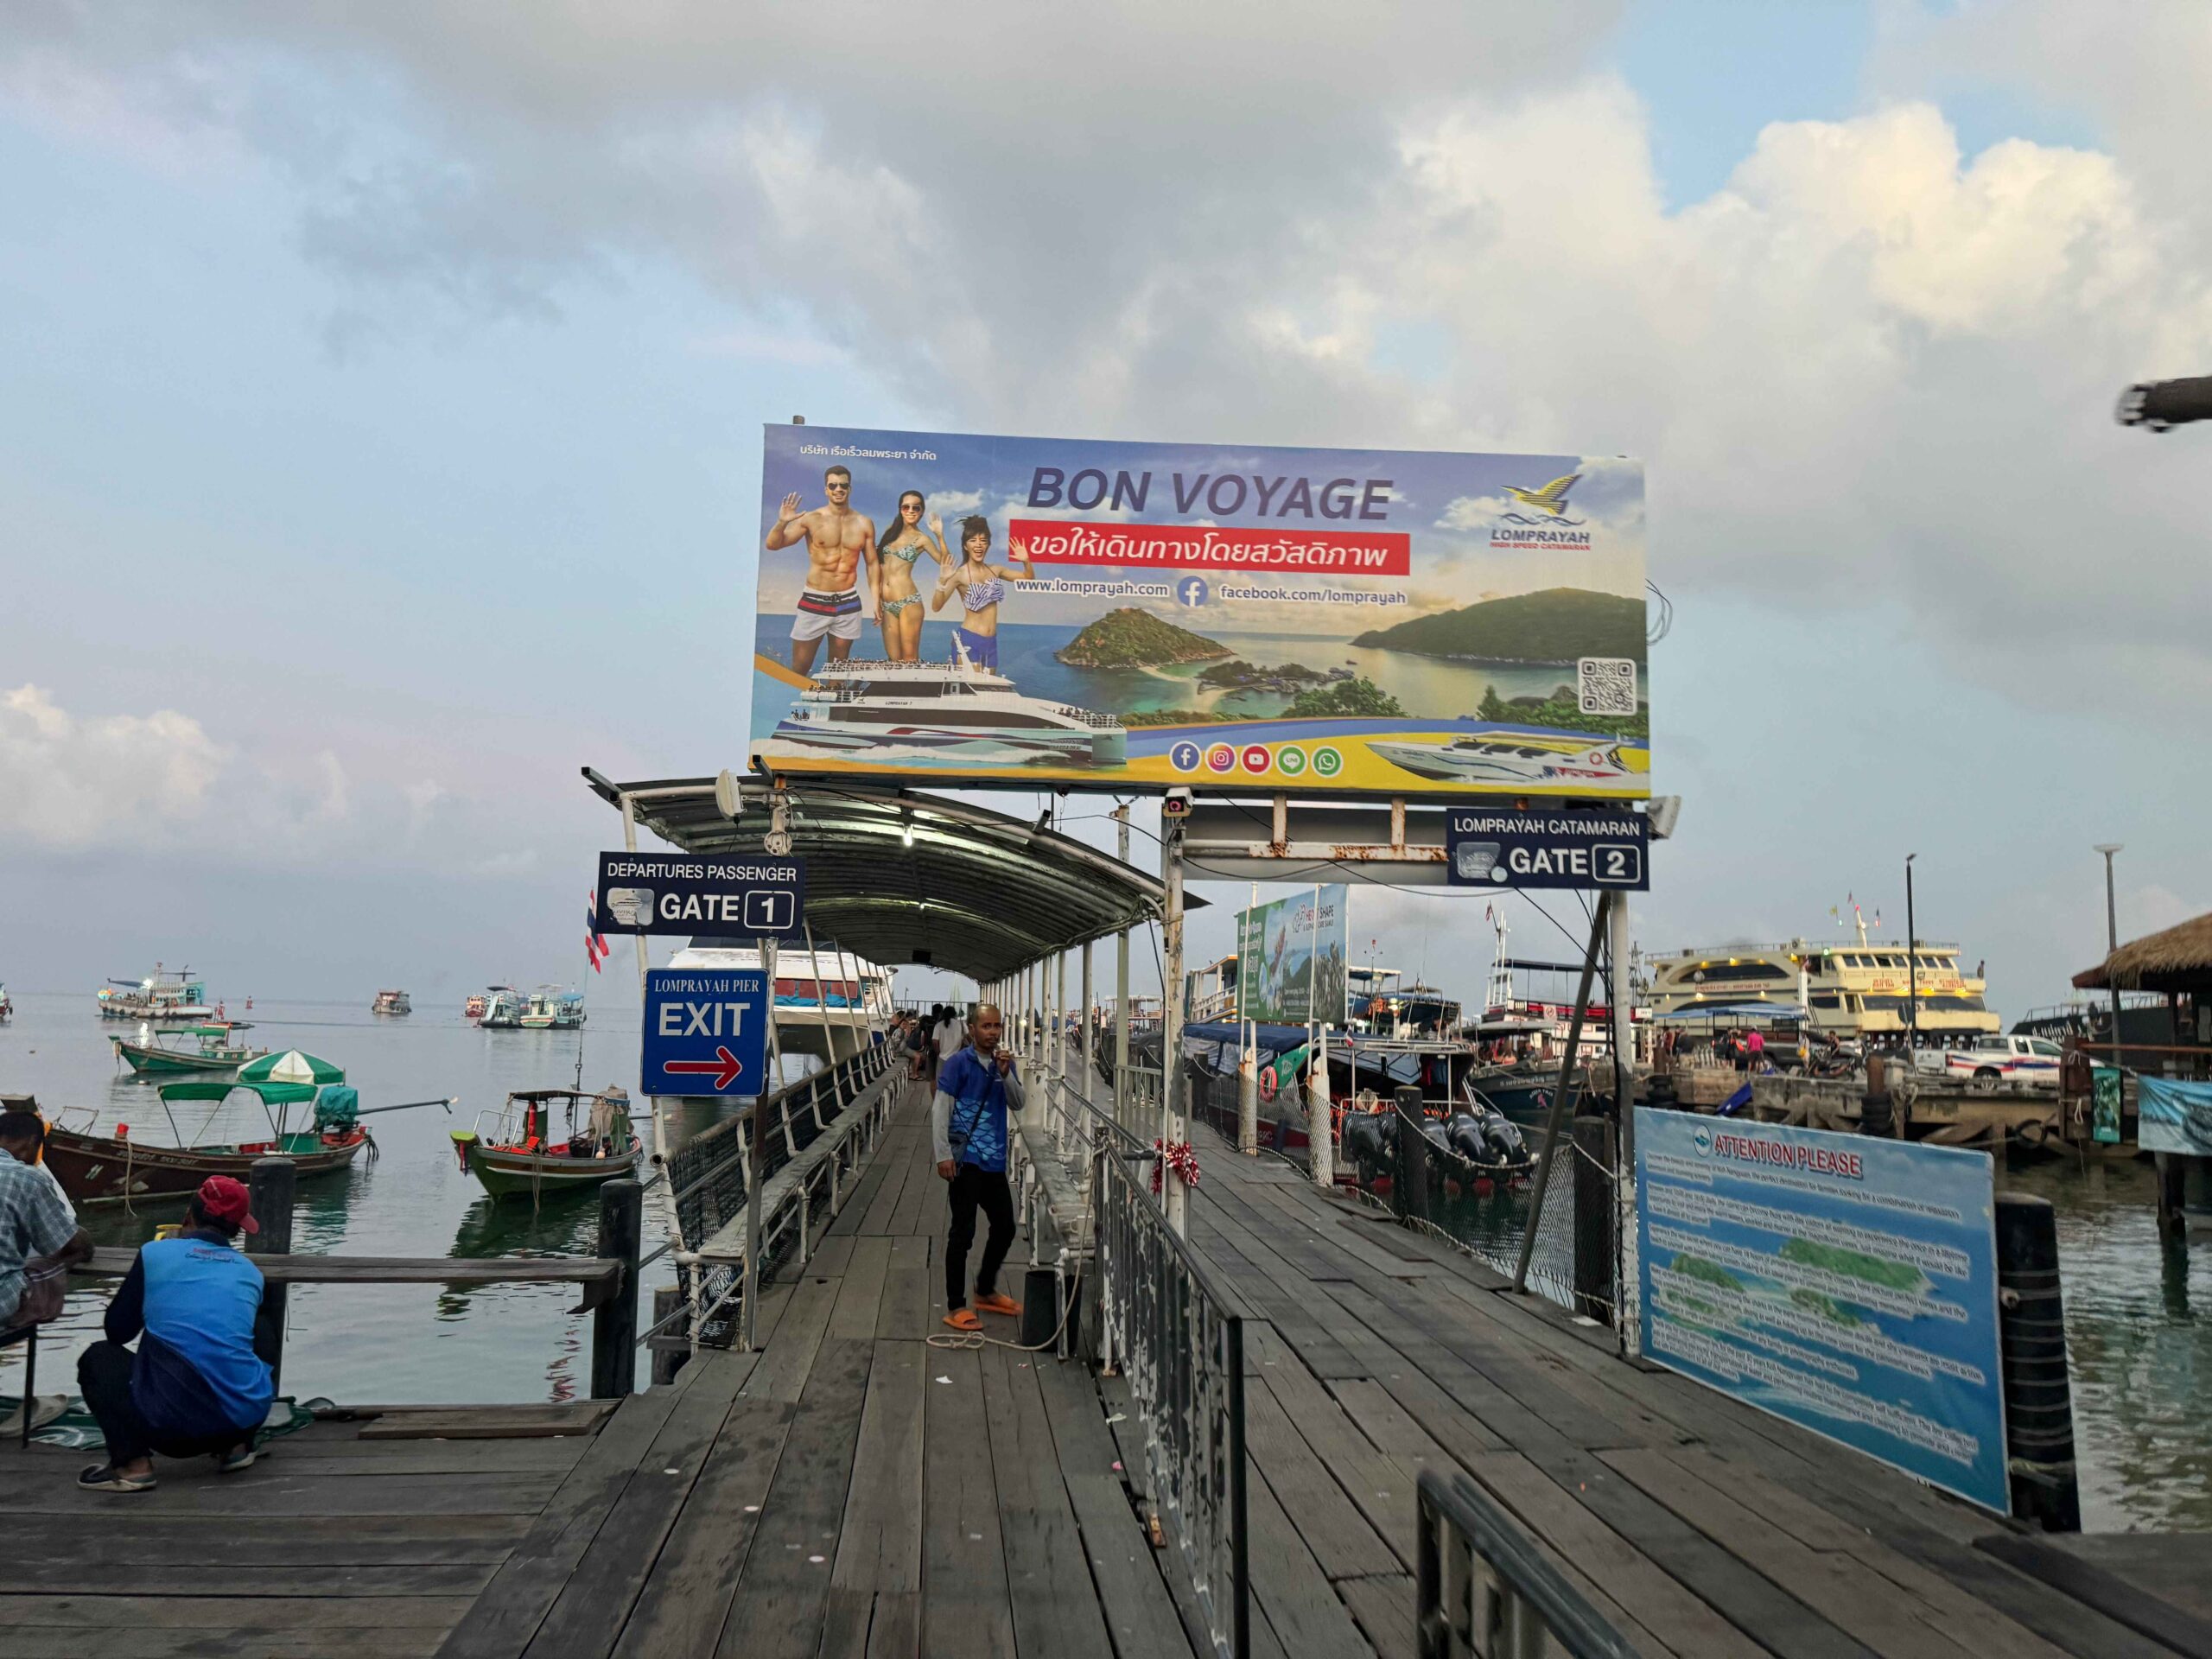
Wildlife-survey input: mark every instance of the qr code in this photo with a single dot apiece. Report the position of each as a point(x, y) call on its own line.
point(1605, 685)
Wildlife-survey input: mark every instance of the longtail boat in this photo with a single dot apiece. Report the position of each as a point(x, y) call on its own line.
point(516, 1149)
point(214, 1051)
point(111, 1168)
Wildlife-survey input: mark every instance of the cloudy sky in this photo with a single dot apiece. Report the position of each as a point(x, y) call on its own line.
point(378, 441)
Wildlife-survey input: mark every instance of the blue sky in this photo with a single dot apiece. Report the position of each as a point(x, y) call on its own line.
point(380, 442)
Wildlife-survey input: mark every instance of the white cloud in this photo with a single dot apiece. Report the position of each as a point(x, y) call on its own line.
point(70, 782)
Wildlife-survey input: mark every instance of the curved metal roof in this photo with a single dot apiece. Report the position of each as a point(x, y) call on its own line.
point(907, 877)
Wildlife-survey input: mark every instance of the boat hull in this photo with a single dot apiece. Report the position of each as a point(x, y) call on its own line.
point(150, 1061)
point(99, 1169)
point(505, 1172)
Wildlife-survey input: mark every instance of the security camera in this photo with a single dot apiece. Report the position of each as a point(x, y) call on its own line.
point(1176, 803)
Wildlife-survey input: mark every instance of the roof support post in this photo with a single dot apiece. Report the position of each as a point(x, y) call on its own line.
point(1060, 1014)
point(660, 1134)
point(748, 1312)
point(1172, 1080)
point(1088, 1027)
point(1121, 985)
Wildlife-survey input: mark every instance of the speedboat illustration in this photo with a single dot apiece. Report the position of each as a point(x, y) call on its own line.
point(1512, 758)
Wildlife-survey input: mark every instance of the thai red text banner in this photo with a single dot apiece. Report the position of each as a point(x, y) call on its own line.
point(1205, 547)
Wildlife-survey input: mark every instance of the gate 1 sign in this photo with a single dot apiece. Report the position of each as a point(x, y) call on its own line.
point(706, 1031)
point(734, 896)
point(1486, 846)
point(1846, 1283)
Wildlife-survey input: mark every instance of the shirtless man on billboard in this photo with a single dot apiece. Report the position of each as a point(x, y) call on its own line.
point(837, 539)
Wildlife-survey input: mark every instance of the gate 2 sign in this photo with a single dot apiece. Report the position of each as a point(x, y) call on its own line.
point(683, 892)
point(1485, 848)
point(706, 1031)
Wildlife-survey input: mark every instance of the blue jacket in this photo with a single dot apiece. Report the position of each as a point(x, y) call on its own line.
point(194, 1297)
point(972, 1102)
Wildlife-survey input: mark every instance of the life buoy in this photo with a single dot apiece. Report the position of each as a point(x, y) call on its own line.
point(1267, 1082)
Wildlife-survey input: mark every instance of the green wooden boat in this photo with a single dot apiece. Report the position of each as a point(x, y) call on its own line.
point(212, 1050)
point(516, 1149)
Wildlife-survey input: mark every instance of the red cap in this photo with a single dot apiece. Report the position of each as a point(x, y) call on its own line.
point(225, 1199)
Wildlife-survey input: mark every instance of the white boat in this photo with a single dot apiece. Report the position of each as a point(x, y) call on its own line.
point(503, 1010)
point(390, 1002)
point(550, 1008)
point(1512, 758)
point(956, 707)
point(831, 1005)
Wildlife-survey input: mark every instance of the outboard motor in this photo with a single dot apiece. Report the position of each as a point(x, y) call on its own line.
point(1369, 1140)
point(1464, 1131)
point(1503, 1135)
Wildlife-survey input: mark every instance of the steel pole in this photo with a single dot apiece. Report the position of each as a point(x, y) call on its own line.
point(1911, 970)
point(1089, 1029)
point(2111, 946)
point(1247, 1061)
point(1553, 1118)
point(749, 1329)
point(1171, 996)
point(660, 1133)
point(1121, 987)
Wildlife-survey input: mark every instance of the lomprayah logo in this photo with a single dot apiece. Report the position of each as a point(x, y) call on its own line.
point(1545, 524)
point(1701, 1138)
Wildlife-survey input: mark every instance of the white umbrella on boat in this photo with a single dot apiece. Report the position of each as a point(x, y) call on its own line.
point(293, 1065)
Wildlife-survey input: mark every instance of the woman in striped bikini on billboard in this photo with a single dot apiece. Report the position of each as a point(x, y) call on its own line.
point(899, 599)
point(980, 585)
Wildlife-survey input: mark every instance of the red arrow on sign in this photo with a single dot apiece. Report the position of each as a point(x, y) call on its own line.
point(724, 1067)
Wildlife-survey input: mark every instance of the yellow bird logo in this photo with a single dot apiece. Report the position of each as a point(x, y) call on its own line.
point(1551, 498)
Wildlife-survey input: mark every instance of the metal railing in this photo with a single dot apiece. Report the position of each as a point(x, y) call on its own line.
point(1178, 1338)
point(1487, 1592)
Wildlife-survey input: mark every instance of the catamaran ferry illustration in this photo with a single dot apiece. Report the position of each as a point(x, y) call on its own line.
point(956, 708)
point(1513, 758)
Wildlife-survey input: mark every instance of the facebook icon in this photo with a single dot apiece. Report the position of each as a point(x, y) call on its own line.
point(1192, 590)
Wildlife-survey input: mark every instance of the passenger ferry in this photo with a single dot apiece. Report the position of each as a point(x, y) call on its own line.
point(550, 1008)
point(390, 1002)
point(163, 996)
point(1853, 990)
point(830, 1004)
point(956, 708)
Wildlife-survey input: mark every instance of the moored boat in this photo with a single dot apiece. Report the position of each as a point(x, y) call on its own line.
point(162, 997)
point(548, 1009)
point(502, 1009)
point(516, 1149)
point(390, 1002)
point(120, 1167)
point(7, 1008)
point(212, 1049)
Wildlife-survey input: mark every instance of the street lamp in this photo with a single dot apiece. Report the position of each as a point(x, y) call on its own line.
point(1911, 969)
point(2112, 942)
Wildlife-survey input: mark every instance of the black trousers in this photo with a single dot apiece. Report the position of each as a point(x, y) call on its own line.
point(104, 1378)
point(974, 1189)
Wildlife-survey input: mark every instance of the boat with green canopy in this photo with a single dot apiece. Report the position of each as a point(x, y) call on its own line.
point(516, 1149)
point(198, 1048)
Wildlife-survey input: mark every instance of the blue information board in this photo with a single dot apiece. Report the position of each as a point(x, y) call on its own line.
point(1584, 850)
point(739, 895)
point(1845, 1283)
point(706, 1031)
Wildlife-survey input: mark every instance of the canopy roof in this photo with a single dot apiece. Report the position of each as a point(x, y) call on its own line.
point(293, 1065)
point(271, 1094)
point(907, 877)
point(2178, 959)
point(1778, 1012)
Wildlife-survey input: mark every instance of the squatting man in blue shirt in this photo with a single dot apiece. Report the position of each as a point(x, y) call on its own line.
point(976, 1087)
point(196, 1386)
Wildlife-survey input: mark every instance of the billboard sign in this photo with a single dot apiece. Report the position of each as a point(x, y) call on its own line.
point(1497, 847)
point(945, 608)
point(691, 895)
point(1845, 1283)
point(1291, 958)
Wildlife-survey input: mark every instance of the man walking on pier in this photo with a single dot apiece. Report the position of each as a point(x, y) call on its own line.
point(976, 1087)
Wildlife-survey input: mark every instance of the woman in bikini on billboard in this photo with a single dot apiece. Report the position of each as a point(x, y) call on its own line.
point(899, 598)
point(980, 585)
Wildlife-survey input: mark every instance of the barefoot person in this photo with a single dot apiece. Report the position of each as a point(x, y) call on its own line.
point(980, 585)
point(976, 1087)
point(899, 600)
point(837, 539)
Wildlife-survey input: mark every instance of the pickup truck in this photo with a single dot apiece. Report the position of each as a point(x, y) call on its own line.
point(2030, 1061)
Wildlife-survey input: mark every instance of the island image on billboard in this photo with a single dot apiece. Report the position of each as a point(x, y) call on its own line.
point(961, 609)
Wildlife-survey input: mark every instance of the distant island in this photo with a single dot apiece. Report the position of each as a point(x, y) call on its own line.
point(1288, 678)
point(1130, 638)
point(1558, 625)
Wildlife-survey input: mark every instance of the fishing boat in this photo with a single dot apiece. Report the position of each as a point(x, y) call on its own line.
point(390, 1002)
point(121, 1168)
point(516, 1149)
point(161, 998)
point(502, 1009)
point(550, 1009)
point(211, 1048)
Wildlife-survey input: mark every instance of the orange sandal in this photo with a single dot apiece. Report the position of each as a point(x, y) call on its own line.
point(962, 1319)
point(998, 1302)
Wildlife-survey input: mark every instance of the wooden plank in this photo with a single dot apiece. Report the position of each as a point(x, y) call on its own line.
point(861, 1196)
point(1382, 1487)
point(906, 1312)
point(899, 1159)
point(379, 1459)
point(1332, 1529)
point(102, 1613)
point(788, 1352)
point(1387, 1424)
point(271, 1492)
point(1288, 1582)
point(679, 1613)
point(438, 1426)
point(1384, 1610)
point(589, 1612)
point(591, 1412)
point(896, 1630)
point(112, 1261)
point(2122, 1599)
point(508, 1613)
point(832, 1255)
point(2172, 1567)
point(778, 1608)
point(110, 1573)
point(967, 1612)
point(67, 1642)
point(860, 1295)
point(246, 1541)
point(922, 1204)
point(1048, 1578)
point(879, 1542)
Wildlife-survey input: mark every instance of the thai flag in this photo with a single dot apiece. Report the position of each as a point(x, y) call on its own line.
point(594, 944)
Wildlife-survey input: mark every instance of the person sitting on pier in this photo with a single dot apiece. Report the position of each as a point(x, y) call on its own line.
point(976, 1089)
point(40, 1239)
point(196, 1386)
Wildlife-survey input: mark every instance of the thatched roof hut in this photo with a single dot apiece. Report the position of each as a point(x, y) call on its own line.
point(2178, 959)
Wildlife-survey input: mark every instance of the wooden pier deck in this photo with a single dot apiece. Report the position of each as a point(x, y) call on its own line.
point(851, 1490)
